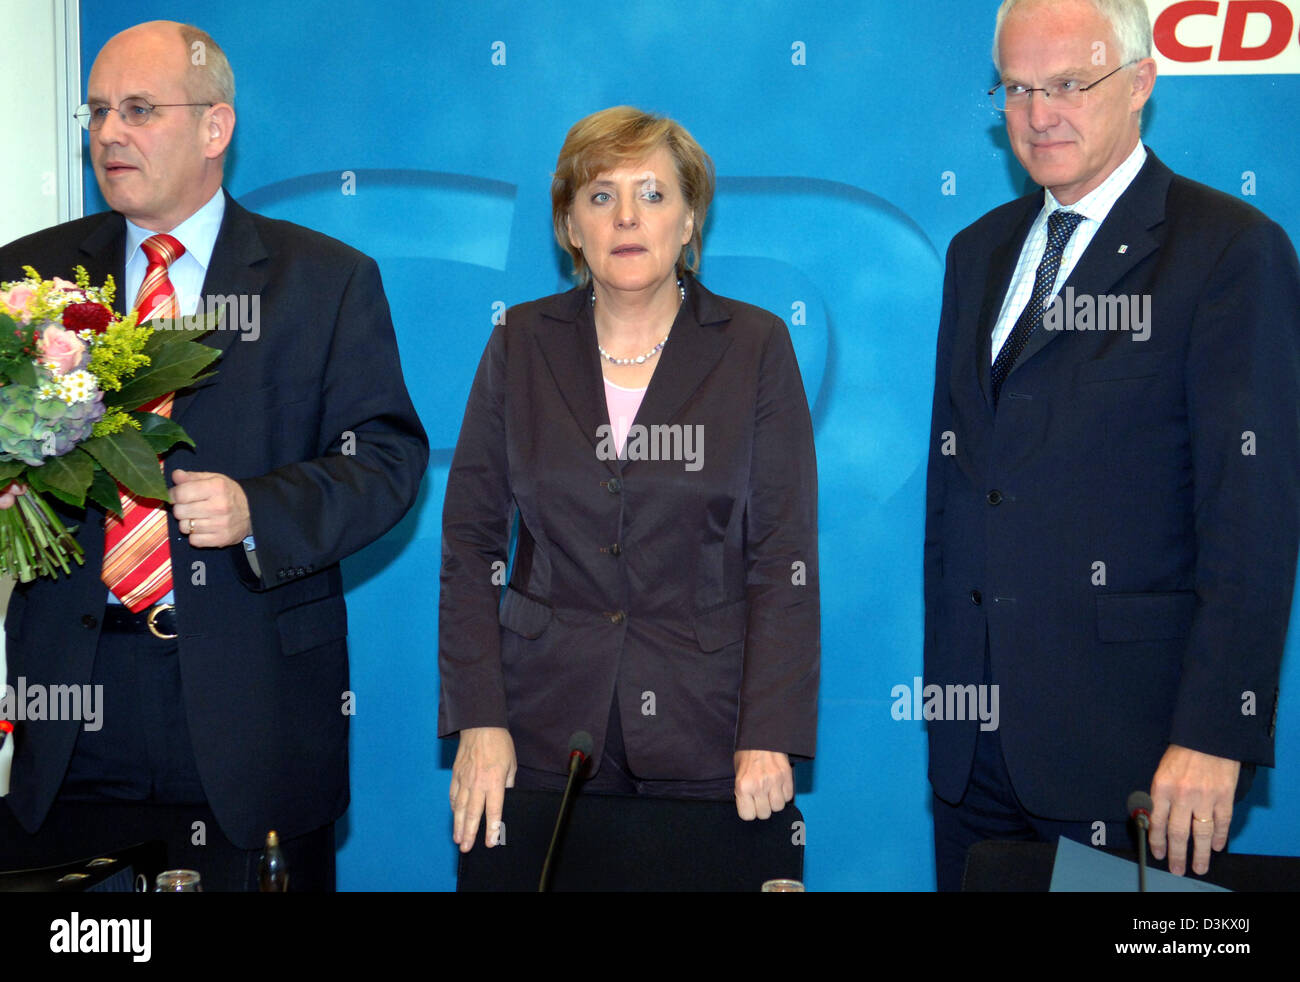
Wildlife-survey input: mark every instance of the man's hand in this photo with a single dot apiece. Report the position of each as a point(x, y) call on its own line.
point(210, 508)
point(484, 768)
point(7, 497)
point(1192, 792)
point(764, 783)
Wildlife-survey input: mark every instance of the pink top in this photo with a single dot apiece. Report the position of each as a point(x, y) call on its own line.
point(623, 404)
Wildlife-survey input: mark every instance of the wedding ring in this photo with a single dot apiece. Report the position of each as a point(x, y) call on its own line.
point(1195, 819)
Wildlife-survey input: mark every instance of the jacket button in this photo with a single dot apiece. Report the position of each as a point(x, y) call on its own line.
point(617, 617)
point(615, 549)
point(976, 597)
point(613, 485)
point(90, 621)
point(995, 497)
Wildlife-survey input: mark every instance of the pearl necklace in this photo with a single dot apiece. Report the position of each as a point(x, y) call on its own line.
point(639, 359)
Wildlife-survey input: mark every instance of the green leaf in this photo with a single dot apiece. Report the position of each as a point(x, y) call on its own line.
point(167, 331)
point(103, 491)
point(67, 476)
point(36, 482)
point(9, 470)
point(174, 367)
point(160, 431)
point(23, 372)
point(129, 458)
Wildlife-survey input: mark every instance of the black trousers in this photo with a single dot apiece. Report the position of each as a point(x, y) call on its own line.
point(991, 809)
point(615, 775)
point(133, 778)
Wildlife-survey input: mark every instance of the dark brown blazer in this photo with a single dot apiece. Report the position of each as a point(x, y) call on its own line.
point(686, 588)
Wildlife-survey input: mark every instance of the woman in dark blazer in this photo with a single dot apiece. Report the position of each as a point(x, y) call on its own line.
point(651, 446)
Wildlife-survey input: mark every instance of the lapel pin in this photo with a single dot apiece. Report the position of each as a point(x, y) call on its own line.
point(1123, 249)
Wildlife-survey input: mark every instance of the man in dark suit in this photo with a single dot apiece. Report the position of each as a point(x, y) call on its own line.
point(225, 695)
point(1112, 502)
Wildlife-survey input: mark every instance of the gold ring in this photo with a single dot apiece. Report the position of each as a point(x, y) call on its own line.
point(1195, 819)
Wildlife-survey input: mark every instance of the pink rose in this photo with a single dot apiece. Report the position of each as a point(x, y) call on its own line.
point(19, 295)
point(61, 284)
point(62, 351)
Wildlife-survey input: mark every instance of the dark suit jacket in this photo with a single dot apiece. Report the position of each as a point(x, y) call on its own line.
point(1173, 461)
point(264, 662)
point(690, 594)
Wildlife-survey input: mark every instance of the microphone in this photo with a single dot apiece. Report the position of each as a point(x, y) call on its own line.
point(1139, 810)
point(580, 747)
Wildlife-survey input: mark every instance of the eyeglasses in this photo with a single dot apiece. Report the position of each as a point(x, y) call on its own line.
point(1066, 93)
point(134, 112)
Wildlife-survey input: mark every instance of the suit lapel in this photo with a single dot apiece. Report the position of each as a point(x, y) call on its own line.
point(1002, 265)
point(694, 347)
point(105, 251)
point(570, 353)
point(1124, 240)
point(237, 268)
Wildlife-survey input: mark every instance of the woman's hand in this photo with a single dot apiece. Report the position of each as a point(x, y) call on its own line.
point(7, 499)
point(484, 768)
point(764, 783)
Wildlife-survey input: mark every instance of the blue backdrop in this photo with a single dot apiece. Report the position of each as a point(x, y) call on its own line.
point(851, 143)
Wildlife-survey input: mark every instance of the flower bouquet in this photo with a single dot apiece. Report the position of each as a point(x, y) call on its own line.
point(73, 373)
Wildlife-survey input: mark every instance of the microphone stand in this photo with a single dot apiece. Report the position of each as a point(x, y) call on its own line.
point(576, 759)
point(1139, 809)
point(1142, 854)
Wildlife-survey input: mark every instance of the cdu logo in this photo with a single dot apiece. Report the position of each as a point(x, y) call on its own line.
point(1226, 37)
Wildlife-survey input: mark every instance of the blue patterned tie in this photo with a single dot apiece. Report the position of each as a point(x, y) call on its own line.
point(1060, 226)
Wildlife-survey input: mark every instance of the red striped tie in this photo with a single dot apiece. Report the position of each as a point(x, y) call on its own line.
point(137, 561)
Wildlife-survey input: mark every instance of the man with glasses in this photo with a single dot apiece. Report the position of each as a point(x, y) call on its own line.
point(216, 626)
point(1114, 480)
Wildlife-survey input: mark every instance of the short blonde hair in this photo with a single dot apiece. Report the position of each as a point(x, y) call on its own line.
point(1129, 20)
point(623, 135)
point(210, 78)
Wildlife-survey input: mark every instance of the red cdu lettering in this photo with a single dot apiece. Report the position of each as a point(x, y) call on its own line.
point(1234, 30)
point(1165, 30)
